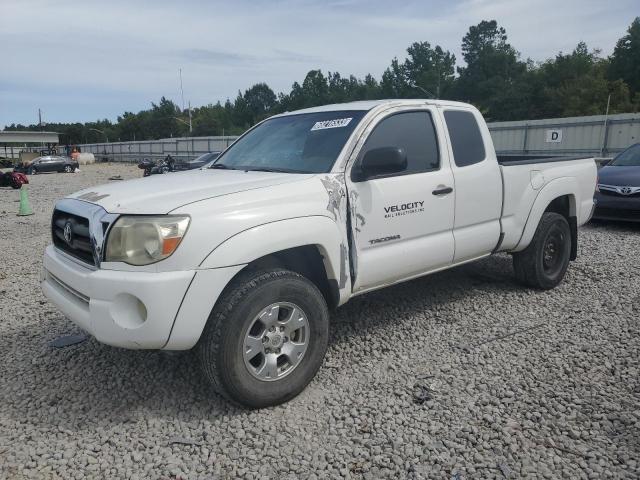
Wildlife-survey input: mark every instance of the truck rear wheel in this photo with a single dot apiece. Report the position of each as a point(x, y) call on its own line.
point(265, 338)
point(544, 262)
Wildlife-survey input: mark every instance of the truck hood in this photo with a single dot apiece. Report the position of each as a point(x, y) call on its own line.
point(619, 176)
point(159, 194)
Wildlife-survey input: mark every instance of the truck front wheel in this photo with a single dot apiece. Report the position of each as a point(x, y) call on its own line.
point(544, 262)
point(265, 338)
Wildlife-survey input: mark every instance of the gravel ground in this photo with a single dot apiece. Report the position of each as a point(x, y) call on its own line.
point(462, 374)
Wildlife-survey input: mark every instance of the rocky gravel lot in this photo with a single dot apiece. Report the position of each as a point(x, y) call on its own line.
point(463, 374)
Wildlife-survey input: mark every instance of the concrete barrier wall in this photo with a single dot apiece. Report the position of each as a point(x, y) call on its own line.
point(594, 135)
point(190, 147)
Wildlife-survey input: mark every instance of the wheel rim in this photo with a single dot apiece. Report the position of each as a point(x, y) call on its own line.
point(553, 252)
point(67, 169)
point(275, 342)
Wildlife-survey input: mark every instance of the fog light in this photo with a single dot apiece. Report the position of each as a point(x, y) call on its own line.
point(128, 311)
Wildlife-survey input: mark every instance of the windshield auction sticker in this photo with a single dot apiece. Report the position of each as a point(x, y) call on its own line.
point(337, 123)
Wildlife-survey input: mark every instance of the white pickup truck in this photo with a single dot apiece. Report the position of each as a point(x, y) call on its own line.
point(244, 258)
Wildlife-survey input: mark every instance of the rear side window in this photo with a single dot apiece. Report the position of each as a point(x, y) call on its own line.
point(414, 133)
point(466, 139)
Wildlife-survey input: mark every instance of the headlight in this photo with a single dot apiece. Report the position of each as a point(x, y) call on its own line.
point(141, 240)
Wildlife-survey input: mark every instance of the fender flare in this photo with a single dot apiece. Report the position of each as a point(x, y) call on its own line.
point(261, 240)
point(556, 188)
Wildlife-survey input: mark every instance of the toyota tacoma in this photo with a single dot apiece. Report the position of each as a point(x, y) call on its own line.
point(244, 258)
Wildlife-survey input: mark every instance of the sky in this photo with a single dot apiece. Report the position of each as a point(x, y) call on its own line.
point(83, 60)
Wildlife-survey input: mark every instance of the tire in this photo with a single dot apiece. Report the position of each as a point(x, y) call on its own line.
point(222, 346)
point(544, 262)
point(68, 169)
point(33, 171)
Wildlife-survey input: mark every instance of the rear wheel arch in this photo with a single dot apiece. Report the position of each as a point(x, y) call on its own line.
point(565, 205)
point(555, 197)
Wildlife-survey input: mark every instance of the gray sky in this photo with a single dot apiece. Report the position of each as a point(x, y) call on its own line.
point(84, 60)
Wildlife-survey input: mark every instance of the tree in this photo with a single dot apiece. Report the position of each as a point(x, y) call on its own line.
point(315, 89)
point(494, 77)
point(430, 69)
point(160, 122)
point(625, 61)
point(394, 81)
point(576, 84)
point(130, 127)
point(259, 101)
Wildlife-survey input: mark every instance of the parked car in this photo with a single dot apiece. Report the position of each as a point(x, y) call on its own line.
point(244, 260)
point(14, 180)
point(197, 162)
point(48, 163)
point(618, 193)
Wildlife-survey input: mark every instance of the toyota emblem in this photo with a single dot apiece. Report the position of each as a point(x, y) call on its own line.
point(68, 232)
point(625, 190)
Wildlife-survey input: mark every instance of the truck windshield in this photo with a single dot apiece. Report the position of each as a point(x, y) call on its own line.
point(302, 143)
point(629, 158)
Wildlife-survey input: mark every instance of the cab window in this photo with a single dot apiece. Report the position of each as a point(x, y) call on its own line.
point(466, 139)
point(415, 133)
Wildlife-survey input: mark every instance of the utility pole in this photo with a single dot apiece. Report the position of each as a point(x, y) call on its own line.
point(181, 90)
point(190, 126)
point(40, 119)
point(604, 128)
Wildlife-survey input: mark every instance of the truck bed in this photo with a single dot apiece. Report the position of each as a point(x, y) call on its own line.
point(524, 180)
point(510, 160)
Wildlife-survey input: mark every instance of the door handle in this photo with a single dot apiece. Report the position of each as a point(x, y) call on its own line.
point(442, 191)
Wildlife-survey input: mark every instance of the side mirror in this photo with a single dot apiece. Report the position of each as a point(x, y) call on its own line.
point(379, 162)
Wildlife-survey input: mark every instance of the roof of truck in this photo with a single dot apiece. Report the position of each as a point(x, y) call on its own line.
point(369, 104)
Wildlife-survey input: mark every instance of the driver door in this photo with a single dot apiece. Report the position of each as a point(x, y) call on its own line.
point(402, 223)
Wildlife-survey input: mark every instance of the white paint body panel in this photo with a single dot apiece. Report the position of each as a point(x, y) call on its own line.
point(238, 217)
point(424, 233)
point(478, 198)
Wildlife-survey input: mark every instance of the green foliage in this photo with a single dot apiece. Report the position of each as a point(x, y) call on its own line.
point(493, 78)
point(625, 61)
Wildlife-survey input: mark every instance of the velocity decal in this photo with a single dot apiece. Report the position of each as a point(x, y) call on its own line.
point(337, 123)
point(403, 209)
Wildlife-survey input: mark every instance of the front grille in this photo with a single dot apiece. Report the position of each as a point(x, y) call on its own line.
point(80, 244)
point(616, 194)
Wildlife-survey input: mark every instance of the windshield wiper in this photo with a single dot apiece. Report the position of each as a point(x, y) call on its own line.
point(270, 169)
point(221, 166)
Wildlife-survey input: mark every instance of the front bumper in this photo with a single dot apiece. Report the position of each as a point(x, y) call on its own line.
point(610, 207)
point(136, 310)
